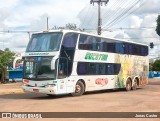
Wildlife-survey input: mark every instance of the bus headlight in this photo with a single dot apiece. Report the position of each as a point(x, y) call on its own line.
point(24, 84)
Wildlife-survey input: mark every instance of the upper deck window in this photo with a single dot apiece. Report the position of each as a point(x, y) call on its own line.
point(93, 43)
point(44, 42)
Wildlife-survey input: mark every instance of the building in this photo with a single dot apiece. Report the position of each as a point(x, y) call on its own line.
point(1, 52)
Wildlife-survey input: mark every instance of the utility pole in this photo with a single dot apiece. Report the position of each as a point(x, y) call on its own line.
point(100, 3)
point(29, 35)
point(47, 23)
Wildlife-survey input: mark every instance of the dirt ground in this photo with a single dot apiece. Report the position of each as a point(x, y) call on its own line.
point(141, 100)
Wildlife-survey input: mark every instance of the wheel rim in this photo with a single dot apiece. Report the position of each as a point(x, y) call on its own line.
point(128, 85)
point(78, 88)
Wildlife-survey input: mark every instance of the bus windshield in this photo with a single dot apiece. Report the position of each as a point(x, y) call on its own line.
point(38, 68)
point(44, 42)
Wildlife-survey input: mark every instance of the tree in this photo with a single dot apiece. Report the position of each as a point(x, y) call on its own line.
point(158, 25)
point(156, 65)
point(5, 59)
point(150, 66)
point(70, 26)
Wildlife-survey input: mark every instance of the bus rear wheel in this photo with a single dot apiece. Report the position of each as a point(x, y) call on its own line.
point(79, 89)
point(135, 84)
point(128, 85)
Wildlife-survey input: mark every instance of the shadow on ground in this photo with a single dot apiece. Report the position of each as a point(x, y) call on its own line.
point(33, 96)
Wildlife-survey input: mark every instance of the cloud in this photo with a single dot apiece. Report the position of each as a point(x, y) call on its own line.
point(32, 15)
point(147, 21)
point(39, 23)
point(17, 15)
point(19, 42)
point(134, 21)
point(3, 16)
point(88, 17)
point(146, 35)
point(16, 42)
point(121, 35)
point(9, 4)
point(149, 7)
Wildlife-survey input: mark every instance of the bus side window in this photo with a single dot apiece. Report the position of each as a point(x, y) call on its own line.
point(119, 47)
point(126, 48)
point(109, 69)
point(82, 68)
point(102, 46)
point(85, 42)
point(70, 40)
point(92, 69)
point(94, 44)
point(101, 69)
point(117, 68)
point(111, 47)
point(144, 50)
point(130, 49)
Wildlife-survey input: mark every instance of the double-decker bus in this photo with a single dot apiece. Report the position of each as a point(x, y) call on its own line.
point(67, 61)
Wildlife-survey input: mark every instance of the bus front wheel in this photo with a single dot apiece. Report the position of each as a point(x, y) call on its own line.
point(79, 89)
point(128, 85)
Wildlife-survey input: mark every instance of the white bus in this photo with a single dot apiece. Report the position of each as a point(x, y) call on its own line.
point(66, 61)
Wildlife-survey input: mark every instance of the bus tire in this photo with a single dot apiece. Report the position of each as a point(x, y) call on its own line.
point(79, 89)
point(128, 85)
point(135, 84)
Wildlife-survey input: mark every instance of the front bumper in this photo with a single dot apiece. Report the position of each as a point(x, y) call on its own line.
point(45, 90)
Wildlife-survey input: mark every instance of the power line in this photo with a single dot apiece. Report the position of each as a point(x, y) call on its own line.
point(141, 38)
point(83, 21)
point(91, 18)
point(119, 10)
point(111, 16)
point(131, 28)
point(136, 28)
point(112, 6)
point(117, 5)
point(14, 31)
point(121, 28)
point(131, 12)
point(124, 12)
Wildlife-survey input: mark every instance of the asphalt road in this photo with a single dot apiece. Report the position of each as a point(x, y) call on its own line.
point(146, 99)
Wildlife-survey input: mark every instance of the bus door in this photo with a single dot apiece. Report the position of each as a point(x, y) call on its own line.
point(67, 51)
point(62, 74)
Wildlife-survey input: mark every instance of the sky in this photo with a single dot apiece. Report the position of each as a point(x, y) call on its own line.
point(133, 20)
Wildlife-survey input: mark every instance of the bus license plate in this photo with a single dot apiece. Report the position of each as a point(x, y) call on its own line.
point(35, 90)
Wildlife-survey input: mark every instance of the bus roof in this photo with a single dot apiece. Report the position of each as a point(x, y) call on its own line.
point(86, 33)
